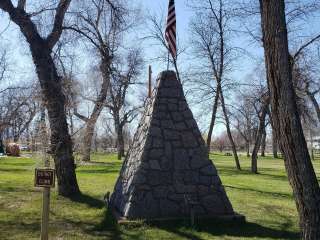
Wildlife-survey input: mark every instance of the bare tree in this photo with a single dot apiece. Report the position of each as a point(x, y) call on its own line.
point(121, 110)
point(312, 95)
point(3, 67)
point(301, 45)
point(286, 119)
point(17, 110)
point(274, 144)
point(264, 142)
point(261, 111)
point(24, 117)
point(307, 84)
point(102, 23)
point(246, 119)
point(41, 49)
point(3, 64)
point(155, 33)
point(221, 142)
point(211, 29)
point(65, 59)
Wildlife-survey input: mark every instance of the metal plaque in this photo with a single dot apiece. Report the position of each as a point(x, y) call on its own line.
point(44, 178)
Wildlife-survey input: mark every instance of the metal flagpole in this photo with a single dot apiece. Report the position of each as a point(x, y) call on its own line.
point(168, 60)
point(149, 82)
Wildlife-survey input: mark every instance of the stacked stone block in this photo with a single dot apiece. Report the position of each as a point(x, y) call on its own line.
point(168, 163)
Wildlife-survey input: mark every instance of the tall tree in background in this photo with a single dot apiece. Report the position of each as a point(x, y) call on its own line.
point(286, 119)
point(307, 84)
point(65, 60)
point(274, 144)
point(3, 64)
point(261, 111)
point(41, 49)
point(3, 69)
point(264, 141)
point(155, 33)
point(25, 114)
point(245, 119)
point(103, 24)
point(121, 110)
point(211, 29)
point(97, 22)
point(14, 104)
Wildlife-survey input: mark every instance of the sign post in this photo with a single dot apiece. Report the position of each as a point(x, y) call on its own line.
point(149, 82)
point(45, 214)
point(45, 178)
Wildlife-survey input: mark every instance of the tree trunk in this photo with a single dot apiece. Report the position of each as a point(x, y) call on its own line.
point(16, 137)
point(263, 142)
point(96, 149)
point(71, 123)
point(248, 148)
point(98, 106)
point(226, 117)
point(87, 140)
point(274, 144)
point(120, 143)
point(286, 120)
point(259, 136)
point(1, 144)
point(54, 100)
point(50, 82)
point(315, 104)
point(213, 119)
point(119, 131)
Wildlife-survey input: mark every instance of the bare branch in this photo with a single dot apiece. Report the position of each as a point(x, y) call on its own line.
point(300, 50)
point(21, 4)
point(58, 21)
point(80, 116)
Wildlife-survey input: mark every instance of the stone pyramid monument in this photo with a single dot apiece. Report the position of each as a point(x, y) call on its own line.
point(168, 163)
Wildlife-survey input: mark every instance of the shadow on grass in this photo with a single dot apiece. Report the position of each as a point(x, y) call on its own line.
point(109, 227)
point(20, 164)
point(90, 201)
point(231, 171)
point(10, 228)
point(13, 189)
point(108, 224)
point(231, 229)
point(13, 170)
point(274, 194)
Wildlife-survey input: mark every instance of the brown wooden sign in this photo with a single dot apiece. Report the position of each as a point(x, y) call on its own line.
point(44, 177)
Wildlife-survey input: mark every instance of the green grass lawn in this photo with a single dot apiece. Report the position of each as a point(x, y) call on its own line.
point(265, 199)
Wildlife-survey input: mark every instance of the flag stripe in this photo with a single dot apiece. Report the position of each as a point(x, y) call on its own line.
point(170, 32)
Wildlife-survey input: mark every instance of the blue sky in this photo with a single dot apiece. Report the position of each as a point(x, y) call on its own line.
point(23, 69)
point(21, 59)
point(14, 42)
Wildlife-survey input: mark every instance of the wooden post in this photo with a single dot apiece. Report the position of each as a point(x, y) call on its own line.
point(149, 82)
point(45, 213)
point(46, 190)
point(45, 202)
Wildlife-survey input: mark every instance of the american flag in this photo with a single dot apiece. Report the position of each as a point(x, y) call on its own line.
point(171, 30)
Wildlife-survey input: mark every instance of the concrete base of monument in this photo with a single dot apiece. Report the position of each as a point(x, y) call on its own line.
point(235, 217)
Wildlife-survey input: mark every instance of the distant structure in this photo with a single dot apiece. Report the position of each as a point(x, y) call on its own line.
point(167, 170)
point(13, 150)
